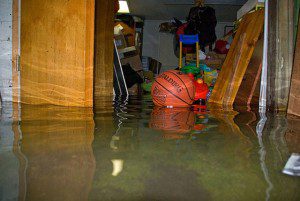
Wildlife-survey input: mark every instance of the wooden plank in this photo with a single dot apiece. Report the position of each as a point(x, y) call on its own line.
point(294, 99)
point(272, 52)
point(248, 93)
point(104, 30)
point(57, 52)
point(285, 48)
point(280, 56)
point(251, 27)
point(248, 6)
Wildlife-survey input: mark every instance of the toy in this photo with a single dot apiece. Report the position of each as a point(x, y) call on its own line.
point(173, 88)
point(195, 74)
point(147, 85)
point(188, 40)
point(201, 89)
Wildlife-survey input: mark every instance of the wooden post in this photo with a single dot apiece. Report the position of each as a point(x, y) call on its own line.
point(294, 99)
point(57, 46)
point(103, 61)
point(280, 53)
point(180, 55)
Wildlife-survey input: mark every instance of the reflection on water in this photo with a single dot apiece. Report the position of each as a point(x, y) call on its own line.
point(129, 150)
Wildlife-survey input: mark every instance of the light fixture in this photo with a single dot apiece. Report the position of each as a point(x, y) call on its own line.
point(123, 7)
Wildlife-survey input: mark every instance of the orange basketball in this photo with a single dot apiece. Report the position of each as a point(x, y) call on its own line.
point(173, 121)
point(173, 88)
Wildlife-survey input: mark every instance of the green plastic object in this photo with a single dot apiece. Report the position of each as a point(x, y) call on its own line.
point(147, 86)
point(190, 68)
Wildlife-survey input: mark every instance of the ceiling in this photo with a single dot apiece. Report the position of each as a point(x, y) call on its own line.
point(167, 9)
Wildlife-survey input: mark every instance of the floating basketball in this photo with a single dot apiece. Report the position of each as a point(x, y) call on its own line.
point(173, 88)
point(172, 121)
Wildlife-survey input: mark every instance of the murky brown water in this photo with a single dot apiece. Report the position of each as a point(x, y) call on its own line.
point(132, 151)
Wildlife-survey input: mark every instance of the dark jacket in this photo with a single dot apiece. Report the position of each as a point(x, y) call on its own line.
point(202, 21)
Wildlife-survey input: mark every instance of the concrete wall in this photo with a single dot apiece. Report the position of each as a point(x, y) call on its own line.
point(6, 49)
point(160, 45)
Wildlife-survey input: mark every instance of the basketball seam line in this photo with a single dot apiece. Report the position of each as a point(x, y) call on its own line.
point(184, 85)
point(171, 92)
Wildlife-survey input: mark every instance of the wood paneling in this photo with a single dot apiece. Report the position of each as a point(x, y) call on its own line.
point(294, 100)
point(57, 40)
point(238, 58)
point(104, 29)
point(248, 93)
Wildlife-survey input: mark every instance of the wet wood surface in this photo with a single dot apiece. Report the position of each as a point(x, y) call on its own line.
point(104, 30)
point(248, 93)
point(294, 99)
point(280, 53)
point(238, 58)
point(57, 39)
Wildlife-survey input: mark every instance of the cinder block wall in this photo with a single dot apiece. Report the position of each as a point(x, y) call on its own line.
point(6, 49)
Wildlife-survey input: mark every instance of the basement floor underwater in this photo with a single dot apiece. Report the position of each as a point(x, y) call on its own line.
point(130, 150)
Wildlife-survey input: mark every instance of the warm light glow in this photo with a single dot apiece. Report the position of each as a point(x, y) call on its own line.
point(123, 7)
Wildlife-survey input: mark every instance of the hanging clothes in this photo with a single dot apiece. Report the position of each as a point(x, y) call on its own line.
point(202, 21)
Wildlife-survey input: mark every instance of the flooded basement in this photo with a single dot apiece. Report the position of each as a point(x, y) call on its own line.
point(130, 150)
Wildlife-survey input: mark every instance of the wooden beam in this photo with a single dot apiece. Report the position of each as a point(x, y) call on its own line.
point(294, 99)
point(237, 59)
point(57, 52)
point(248, 93)
point(280, 53)
point(104, 29)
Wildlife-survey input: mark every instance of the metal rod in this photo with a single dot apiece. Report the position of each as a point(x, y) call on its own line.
point(264, 74)
point(180, 55)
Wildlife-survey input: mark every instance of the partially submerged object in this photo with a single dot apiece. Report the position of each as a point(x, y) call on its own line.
point(173, 88)
point(292, 167)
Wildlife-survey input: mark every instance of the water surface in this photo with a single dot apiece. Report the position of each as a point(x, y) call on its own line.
point(130, 150)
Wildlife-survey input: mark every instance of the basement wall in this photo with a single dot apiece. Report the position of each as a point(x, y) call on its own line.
point(160, 45)
point(6, 49)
